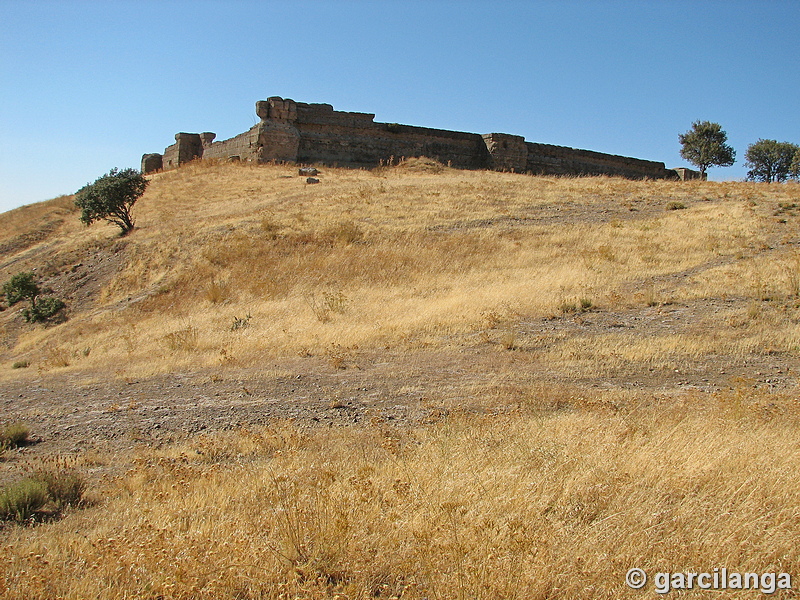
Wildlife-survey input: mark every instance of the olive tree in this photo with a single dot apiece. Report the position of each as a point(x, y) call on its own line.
point(704, 146)
point(111, 197)
point(770, 160)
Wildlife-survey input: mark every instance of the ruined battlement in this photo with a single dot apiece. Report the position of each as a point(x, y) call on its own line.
point(297, 132)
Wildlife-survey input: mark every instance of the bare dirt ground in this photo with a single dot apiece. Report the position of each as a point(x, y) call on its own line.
point(78, 412)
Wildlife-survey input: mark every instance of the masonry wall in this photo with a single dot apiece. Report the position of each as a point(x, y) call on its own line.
point(369, 146)
point(506, 152)
point(351, 139)
point(546, 159)
point(244, 146)
point(316, 134)
point(187, 147)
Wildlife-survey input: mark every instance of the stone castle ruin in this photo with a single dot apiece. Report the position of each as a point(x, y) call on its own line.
point(296, 132)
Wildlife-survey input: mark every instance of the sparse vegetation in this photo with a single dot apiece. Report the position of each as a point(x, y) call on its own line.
point(495, 506)
point(425, 257)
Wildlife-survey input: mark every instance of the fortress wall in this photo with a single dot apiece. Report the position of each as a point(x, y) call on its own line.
point(244, 145)
point(506, 152)
point(355, 140)
point(547, 159)
point(367, 146)
point(323, 114)
point(187, 147)
point(292, 131)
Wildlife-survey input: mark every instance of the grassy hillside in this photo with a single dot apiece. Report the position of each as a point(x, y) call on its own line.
point(407, 257)
point(605, 373)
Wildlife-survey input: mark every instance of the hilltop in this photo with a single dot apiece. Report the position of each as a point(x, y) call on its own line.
point(481, 314)
point(404, 258)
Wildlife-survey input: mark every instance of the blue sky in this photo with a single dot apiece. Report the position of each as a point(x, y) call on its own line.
point(87, 86)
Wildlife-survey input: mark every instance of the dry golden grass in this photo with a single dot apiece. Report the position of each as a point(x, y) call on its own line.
point(536, 504)
point(549, 488)
point(413, 256)
point(26, 225)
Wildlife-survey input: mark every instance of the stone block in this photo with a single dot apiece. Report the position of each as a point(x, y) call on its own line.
point(152, 163)
point(685, 174)
point(262, 109)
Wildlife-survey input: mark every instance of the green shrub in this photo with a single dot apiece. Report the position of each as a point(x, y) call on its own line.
point(19, 501)
point(674, 205)
point(21, 364)
point(568, 307)
point(64, 487)
point(15, 434)
point(46, 308)
point(241, 322)
point(21, 286)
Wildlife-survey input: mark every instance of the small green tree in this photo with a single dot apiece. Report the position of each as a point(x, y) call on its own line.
point(704, 146)
point(111, 197)
point(23, 286)
point(770, 160)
